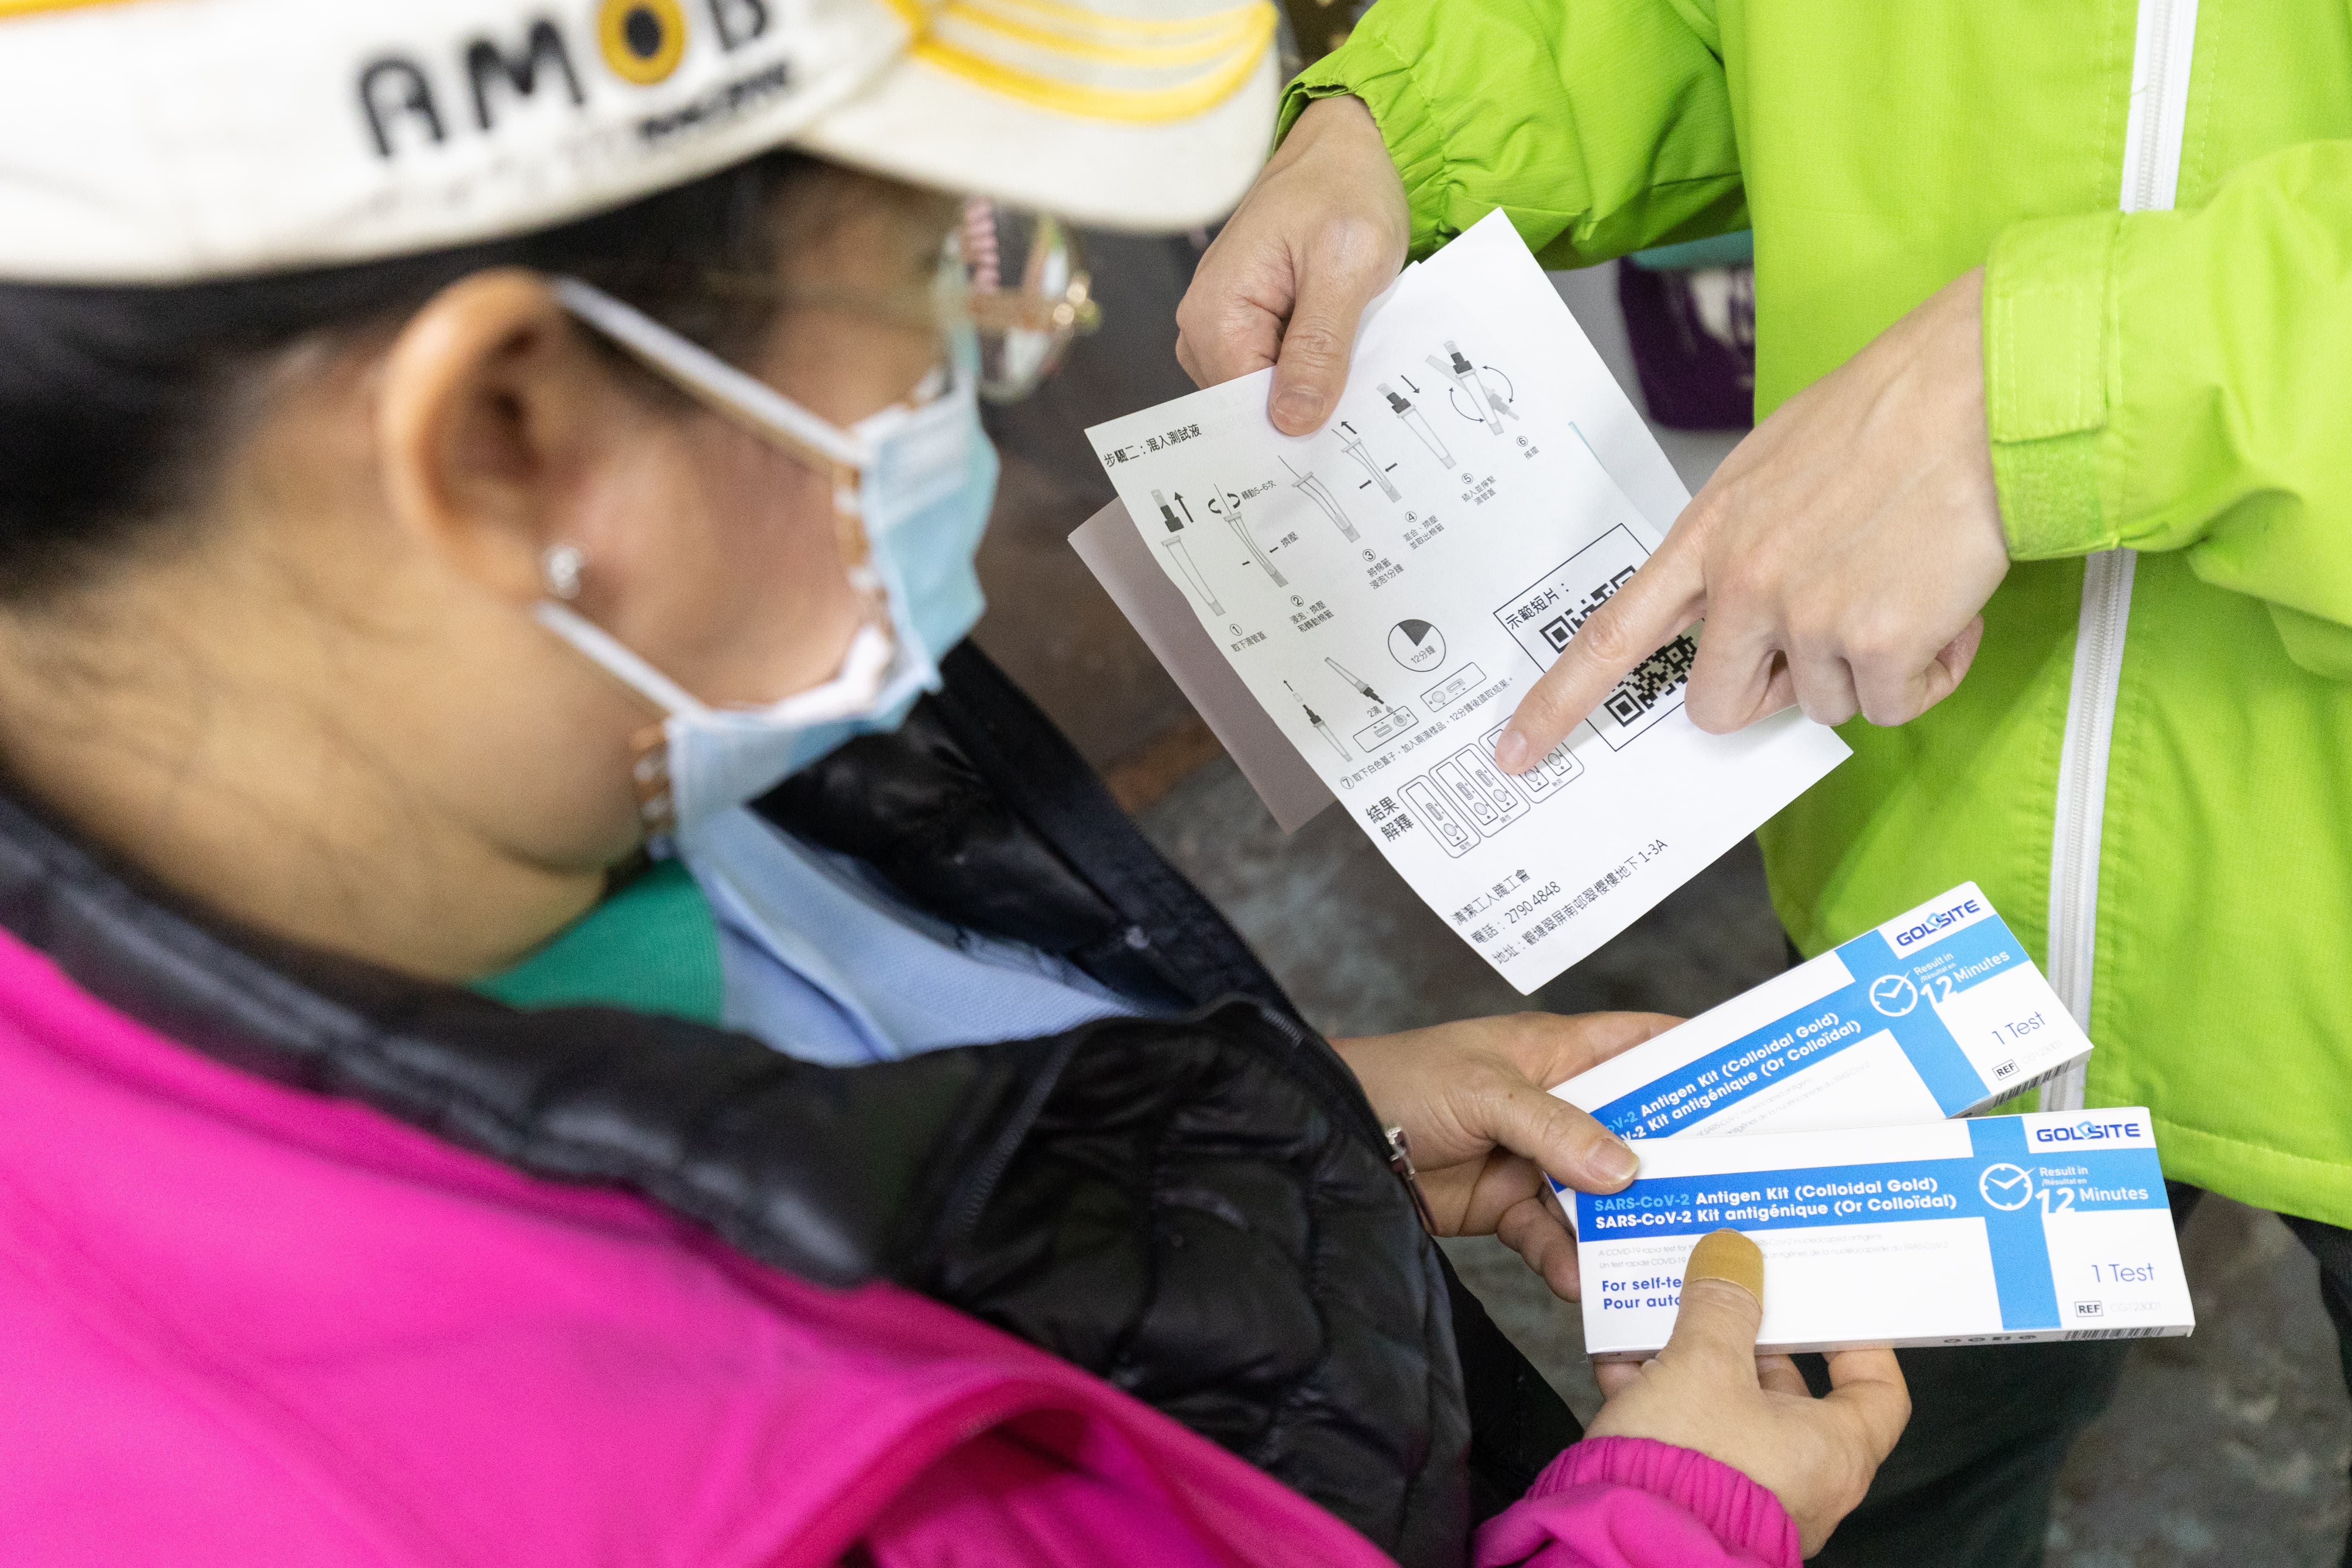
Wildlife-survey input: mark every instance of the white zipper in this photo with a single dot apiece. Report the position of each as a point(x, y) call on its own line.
point(2151, 179)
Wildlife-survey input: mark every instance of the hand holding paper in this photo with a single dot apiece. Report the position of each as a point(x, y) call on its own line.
point(1387, 587)
point(1839, 556)
point(1321, 233)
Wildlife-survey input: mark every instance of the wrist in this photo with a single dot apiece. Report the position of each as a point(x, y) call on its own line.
point(1381, 95)
point(1739, 1510)
point(1341, 114)
point(1362, 1061)
point(2046, 322)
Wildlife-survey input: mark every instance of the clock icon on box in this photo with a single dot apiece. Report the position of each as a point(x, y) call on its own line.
point(1894, 994)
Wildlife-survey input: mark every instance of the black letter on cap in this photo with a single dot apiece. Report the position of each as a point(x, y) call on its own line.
point(485, 63)
point(739, 21)
point(412, 96)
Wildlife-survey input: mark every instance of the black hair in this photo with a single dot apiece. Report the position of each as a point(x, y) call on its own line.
point(114, 401)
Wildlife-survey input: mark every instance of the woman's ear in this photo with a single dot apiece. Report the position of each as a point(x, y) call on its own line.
point(493, 410)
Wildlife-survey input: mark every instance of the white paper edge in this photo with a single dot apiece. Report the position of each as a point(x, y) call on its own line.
point(1116, 553)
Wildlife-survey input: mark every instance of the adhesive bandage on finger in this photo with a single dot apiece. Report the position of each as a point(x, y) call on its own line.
point(1728, 1256)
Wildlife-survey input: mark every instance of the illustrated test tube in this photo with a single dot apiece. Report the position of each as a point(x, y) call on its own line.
point(1353, 444)
point(1315, 490)
point(1233, 511)
point(1183, 557)
point(1465, 374)
point(1316, 719)
point(1402, 406)
point(1353, 679)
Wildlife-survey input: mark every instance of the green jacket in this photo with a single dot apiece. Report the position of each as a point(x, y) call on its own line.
point(2179, 382)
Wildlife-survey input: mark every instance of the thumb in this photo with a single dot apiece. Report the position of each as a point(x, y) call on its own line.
point(1337, 277)
point(1951, 666)
point(1722, 1305)
point(1559, 1138)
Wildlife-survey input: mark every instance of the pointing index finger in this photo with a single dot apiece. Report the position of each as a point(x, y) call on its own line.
point(1664, 596)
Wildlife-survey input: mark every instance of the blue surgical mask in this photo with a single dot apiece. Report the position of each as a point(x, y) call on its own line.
point(929, 495)
point(916, 480)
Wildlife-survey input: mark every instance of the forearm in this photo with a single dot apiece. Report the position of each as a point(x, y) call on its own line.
point(2173, 381)
point(1625, 1502)
point(1599, 127)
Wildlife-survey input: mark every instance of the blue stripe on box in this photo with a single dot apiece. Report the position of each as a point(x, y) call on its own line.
point(1889, 992)
point(1999, 1167)
point(2020, 1249)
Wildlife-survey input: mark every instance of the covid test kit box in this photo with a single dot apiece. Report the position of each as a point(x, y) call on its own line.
point(1937, 1013)
point(1993, 1230)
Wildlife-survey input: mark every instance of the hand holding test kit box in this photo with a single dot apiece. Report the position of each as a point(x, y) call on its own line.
point(1934, 1014)
point(1804, 1114)
point(1995, 1230)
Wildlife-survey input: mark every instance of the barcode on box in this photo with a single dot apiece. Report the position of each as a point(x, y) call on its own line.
point(2115, 1333)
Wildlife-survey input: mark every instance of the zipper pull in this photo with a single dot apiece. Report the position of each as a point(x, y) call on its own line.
point(1400, 1161)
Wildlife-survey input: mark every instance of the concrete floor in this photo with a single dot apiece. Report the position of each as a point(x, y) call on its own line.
point(2229, 1447)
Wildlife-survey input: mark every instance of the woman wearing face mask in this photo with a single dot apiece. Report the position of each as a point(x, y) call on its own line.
point(504, 857)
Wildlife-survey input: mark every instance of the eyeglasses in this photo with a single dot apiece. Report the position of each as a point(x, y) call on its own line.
point(1026, 290)
point(1018, 278)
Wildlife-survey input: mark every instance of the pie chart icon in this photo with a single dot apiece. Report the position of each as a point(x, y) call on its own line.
point(1417, 645)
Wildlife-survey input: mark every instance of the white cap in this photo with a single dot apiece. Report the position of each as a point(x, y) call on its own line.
point(162, 141)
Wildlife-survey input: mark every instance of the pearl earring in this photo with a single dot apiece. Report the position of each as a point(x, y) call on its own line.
point(561, 567)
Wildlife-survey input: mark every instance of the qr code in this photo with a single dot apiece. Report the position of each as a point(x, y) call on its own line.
point(1546, 615)
point(1568, 622)
point(1655, 685)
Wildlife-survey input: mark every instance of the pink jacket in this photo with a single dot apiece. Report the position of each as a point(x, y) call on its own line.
point(241, 1324)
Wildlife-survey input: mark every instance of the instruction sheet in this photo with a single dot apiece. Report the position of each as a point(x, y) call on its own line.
point(1389, 587)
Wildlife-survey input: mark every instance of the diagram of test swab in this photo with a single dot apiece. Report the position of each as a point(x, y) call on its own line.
point(1403, 409)
point(1353, 444)
point(1183, 557)
point(1316, 719)
point(1318, 492)
point(1224, 503)
point(1484, 403)
point(1342, 671)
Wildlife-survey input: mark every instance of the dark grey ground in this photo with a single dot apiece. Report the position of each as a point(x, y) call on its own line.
point(2229, 1447)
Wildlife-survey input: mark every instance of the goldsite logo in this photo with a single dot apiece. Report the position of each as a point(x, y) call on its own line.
point(410, 99)
point(1950, 914)
point(2089, 1130)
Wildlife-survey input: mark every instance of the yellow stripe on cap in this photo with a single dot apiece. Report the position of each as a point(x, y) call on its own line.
point(1085, 19)
point(29, 7)
point(1234, 29)
point(1089, 100)
point(911, 12)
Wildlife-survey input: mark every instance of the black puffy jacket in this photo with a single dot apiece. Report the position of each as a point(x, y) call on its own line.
point(1200, 1211)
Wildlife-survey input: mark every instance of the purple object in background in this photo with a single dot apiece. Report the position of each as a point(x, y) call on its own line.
point(1693, 334)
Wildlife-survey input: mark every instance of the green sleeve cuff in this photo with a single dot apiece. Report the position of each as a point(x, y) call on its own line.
point(2321, 647)
point(2050, 369)
point(1366, 66)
